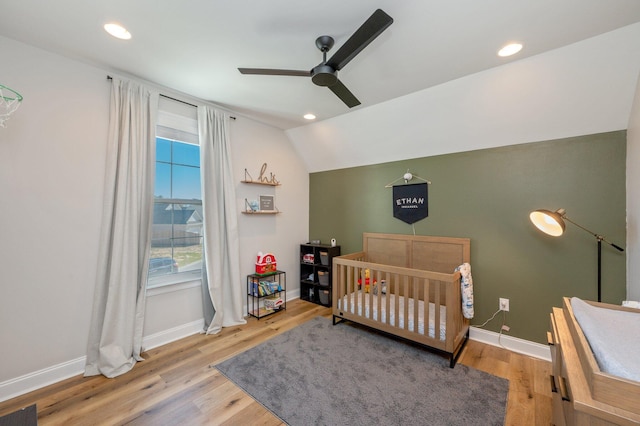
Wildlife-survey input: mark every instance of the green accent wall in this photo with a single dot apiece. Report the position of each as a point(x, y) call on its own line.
point(487, 195)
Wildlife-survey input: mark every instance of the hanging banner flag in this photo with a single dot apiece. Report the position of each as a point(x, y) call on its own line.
point(410, 203)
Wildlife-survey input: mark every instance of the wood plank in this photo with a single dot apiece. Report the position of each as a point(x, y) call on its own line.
point(255, 414)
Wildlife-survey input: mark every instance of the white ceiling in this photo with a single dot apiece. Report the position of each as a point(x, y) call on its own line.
point(195, 46)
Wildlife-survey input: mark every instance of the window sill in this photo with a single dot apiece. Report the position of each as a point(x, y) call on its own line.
point(173, 283)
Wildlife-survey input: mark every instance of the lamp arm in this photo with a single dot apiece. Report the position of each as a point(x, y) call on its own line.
point(598, 236)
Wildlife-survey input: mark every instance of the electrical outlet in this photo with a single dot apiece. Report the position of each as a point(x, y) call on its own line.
point(504, 304)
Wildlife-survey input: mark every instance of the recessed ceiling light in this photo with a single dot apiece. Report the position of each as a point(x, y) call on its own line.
point(117, 31)
point(310, 116)
point(510, 49)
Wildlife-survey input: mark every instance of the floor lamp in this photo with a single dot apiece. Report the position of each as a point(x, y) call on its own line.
point(552, 223)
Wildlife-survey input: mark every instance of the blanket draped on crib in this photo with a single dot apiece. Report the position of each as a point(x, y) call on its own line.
point(466, 288)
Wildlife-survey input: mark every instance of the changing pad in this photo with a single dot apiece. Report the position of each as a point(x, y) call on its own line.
point(614, 338)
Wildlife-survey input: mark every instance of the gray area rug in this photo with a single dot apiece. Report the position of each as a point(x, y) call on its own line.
point(321, 374)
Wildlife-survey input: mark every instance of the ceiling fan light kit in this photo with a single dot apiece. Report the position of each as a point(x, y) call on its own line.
point(325, 74)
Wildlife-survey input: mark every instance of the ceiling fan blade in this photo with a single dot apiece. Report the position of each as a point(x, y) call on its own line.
point(372, 28)
point(270, 71)
point(344, 94)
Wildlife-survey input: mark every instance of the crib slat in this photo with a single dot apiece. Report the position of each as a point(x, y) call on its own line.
point(436, 307)
point(396, 301)
point(356, 273)
point(349, 273)
point(416, 304)
point(361, 300)
point(338, 286)
point(405, 311)
point(386, 299)
point(377, 296)
point(369, 294)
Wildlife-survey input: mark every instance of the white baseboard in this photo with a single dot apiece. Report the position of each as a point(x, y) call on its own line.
point(172, 334)
point(41, 378)
point(56, 373)
point(293, 294)
point(514, 344)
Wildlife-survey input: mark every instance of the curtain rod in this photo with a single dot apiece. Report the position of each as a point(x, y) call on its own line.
point(174, 99)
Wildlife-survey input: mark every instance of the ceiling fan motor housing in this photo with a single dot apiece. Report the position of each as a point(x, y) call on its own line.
point(324, 75)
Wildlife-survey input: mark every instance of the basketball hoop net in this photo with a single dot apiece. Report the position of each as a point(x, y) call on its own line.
point(10, 100)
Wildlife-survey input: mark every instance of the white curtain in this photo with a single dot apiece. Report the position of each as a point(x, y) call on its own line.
point(115, 335)
point(222, 254)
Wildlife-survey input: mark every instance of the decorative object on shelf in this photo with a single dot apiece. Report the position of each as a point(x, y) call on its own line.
point(10, 101)
point(267, 203)
point(552, 223)
point(266, 264)
point(252, 205)
point(262, 178)
point(333, 242)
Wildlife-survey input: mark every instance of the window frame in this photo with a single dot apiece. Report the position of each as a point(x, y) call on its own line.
point(179, 125)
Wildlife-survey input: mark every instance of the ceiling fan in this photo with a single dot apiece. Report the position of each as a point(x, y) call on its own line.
point(326, 73)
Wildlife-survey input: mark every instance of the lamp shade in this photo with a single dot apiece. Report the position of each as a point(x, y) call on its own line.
point(548, 222)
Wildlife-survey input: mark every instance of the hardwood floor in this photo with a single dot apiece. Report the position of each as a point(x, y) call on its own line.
point(177, 384)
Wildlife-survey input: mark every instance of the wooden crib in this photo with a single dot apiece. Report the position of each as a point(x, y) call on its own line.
point(405, 285)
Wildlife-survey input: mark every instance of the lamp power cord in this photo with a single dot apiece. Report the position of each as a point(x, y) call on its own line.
point(503, 327)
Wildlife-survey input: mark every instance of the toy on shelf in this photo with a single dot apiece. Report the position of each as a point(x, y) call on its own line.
point(266, 264)
point(273, 302)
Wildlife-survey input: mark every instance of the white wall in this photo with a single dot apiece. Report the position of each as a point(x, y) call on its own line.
point(633, 200)
point(580, 89)
point(253, 145)
point(51, 184)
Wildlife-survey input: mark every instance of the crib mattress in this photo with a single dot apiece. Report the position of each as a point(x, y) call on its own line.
point(383, 314)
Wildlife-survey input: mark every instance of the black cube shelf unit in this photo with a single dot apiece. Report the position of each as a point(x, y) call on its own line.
point(316, 262)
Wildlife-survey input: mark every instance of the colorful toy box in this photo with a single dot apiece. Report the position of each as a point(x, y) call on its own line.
point(266, 264)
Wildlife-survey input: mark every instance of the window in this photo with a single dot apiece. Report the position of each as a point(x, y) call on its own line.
point(177, 231)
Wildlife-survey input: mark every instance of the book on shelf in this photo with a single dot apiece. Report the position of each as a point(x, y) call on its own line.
point(266, 288)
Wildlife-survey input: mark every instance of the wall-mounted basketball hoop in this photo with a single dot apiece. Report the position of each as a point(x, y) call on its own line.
point(10, 100)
